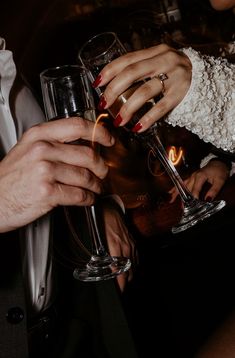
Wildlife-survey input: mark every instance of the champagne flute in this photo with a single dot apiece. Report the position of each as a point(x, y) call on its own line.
point(67, 92)
point(94, 55)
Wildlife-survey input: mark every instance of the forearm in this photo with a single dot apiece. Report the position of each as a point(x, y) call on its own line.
point(208, 109)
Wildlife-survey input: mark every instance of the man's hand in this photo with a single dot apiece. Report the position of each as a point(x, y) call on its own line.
point(41, 171)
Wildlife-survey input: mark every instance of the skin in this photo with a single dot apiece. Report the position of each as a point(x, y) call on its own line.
point(116, 229)
point(123, 71)
point(215, 173)
point(43, 171)
point(118, 75)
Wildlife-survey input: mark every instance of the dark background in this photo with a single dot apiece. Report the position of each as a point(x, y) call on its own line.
point(44, 33)
point(183, 287)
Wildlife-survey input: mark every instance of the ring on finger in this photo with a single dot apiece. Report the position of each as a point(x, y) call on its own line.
point(161, 77)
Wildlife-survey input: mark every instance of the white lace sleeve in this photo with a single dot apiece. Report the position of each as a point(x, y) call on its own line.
point(208, 109)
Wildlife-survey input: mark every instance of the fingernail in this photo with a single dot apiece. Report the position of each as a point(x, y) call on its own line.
point(117, 121)
point(97, 81)
point(102, 103)
point(137, 127)
point(209, 198)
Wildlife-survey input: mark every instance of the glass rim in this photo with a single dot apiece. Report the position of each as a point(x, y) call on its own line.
point(43, 74)
point(115, 38)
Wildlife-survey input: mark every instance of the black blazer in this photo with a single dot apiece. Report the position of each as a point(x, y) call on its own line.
point(13, 332)
point(91, 317)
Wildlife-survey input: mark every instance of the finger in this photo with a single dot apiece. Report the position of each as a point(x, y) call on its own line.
point(131, 68)
point(190, 182)
point(214, 189)
point(200, 180)
point(122, 280)
point(119, 64)
point(75, 176)
point(172, 97)
point(130, 76)
point(174, 193)
point(68, 195)
point(143, 94)
point(68, 130)
point(75, 155)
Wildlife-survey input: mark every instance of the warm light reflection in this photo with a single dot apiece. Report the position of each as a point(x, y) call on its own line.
point(102, 115)
point(175, 155)
point(98, 119)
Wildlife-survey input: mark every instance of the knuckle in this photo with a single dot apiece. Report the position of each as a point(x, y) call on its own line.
point(88, 178)
point(172, 57)
point(90, 154)
point(45, 190)
point(32, 132)
point(85, 178)
point(80, 124)
point(132, 68)
point(164, 48)
point(83, 197)
point(130, 57)
point(44, 169)
point(39, 149)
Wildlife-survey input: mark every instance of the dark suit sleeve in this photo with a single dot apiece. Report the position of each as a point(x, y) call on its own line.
point(13, 332)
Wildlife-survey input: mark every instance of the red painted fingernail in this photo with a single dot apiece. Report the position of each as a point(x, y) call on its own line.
point(97, 81)
point(117, 121)
point(209, 198)
point(137, 127)
point(102, 103)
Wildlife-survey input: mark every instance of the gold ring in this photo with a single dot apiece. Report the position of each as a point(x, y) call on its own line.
point(162, 77)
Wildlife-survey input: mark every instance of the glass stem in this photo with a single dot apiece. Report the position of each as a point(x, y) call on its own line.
point(98, 248)
point(154, 143)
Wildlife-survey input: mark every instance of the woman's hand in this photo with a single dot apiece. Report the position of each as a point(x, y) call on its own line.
point(41, 171)
point(121, 73)
point(215, 173)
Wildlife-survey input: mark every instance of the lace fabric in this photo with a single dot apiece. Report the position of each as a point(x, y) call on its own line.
point(208, 109)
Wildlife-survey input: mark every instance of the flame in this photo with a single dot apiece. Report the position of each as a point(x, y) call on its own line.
point(175, 155)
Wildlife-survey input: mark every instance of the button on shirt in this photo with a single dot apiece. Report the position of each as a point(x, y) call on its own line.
point(37, 263)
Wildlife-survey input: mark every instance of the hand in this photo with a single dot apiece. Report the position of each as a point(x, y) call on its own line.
point(148, 63)
point(215, 173)
point(42, 171)
point(119, 240)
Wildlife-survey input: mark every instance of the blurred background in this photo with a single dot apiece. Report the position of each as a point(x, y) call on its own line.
point(46, 32)
point(191, 273)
